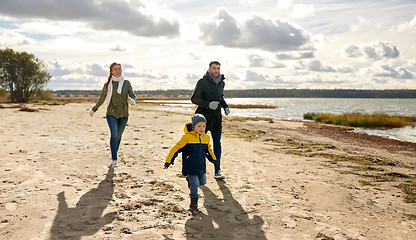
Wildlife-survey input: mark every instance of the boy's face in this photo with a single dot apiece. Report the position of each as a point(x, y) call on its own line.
point(200, 127)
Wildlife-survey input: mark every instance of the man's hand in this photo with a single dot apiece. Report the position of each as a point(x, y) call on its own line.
point(213, 105)
point(227, 110)
point(91, 113)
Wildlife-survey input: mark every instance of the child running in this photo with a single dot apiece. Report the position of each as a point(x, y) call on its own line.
point(194, 146)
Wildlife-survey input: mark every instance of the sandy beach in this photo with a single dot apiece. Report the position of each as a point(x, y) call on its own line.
point(284, 179)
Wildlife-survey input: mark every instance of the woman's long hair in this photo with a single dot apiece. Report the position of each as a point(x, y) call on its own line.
point(109, 76)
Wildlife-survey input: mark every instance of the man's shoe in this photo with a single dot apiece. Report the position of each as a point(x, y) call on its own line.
point(218, 175)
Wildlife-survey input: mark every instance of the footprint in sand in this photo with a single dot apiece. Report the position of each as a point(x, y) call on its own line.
point(11, 206)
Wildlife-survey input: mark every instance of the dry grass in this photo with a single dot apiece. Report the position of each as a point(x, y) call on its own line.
point(73, 99)
point(376, 120)
point(244, 106)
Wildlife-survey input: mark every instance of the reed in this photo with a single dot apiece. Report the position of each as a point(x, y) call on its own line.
point(244, 106)
point(376, 120)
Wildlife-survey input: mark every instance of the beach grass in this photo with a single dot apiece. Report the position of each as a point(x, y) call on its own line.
point(374, 121)
point(245, 106)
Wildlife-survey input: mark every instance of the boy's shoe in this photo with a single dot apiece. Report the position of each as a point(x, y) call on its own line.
point(115, 164)
point(218, 175)
point(194, 206)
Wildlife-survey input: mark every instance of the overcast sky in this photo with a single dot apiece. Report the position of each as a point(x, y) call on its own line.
point(165, 44)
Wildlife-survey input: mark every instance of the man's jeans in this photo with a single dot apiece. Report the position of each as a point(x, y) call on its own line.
point(117, 126)
point(216, 139)
point(195, 181)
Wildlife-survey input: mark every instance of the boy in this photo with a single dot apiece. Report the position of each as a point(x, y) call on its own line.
point(194, 146)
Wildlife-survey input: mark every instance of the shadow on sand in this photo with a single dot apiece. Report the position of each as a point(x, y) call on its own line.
point(85, 218)
point(225, 219)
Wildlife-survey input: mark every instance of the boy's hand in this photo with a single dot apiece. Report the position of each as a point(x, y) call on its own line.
point(167, 165)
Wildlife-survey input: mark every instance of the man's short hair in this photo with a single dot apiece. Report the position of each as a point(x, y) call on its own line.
point(214, 62)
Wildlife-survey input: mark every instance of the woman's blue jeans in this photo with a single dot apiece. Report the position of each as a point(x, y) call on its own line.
point(195, 181)
point(117, 126)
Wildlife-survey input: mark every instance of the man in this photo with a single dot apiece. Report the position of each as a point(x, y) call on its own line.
point(209, 96)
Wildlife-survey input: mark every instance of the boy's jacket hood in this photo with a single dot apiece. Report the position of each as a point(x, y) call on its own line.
point(189, 130)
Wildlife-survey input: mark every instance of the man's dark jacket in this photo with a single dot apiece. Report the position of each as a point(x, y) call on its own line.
point(206, 91)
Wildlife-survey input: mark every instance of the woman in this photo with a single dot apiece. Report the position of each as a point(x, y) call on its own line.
point(116, 93)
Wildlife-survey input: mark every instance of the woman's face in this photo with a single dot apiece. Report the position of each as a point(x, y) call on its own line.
point(116, 71)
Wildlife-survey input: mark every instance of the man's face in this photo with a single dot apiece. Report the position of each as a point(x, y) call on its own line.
point(214, 70)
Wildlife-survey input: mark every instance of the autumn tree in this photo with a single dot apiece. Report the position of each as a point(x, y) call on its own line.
point(21, 74)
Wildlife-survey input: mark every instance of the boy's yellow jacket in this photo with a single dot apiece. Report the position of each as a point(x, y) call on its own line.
point(194, 148)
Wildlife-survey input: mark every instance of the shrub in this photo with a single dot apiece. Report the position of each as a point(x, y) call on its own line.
point(3, 95)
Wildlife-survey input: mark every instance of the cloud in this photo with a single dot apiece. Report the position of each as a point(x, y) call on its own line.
point(303, 10)
point(256, 77)
point(294, 55)
point(411, 62)
point(255, 32)
point(250, 3)
point(97, 69)
point(135, 17)
point(409, 26)
point(258, 80)
point(194, 56)
point(61, 68)
point(386, 71)
point(317, 66)
point(361, 22)
point(373, 50)
point(255, 60)
point(284, 4)
point(12, 38)
point(118, 46)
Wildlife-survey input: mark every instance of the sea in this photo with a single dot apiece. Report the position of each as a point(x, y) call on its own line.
point(294, 108)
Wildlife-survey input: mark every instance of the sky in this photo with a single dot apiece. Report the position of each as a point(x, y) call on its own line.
point(165, 44)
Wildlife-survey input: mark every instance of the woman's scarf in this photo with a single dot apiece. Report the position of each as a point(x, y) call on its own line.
point(110, 87)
